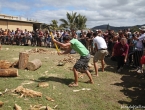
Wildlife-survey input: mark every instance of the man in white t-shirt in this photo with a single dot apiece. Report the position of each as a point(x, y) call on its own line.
point(100, 51)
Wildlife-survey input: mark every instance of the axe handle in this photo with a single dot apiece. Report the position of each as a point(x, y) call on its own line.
point(54, 43)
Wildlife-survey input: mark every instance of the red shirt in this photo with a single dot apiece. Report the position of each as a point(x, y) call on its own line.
point(142, 61)
point(120, 50)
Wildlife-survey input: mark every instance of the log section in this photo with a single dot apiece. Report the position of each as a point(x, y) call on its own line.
point(23, 60)
point(9, 72)
point(34, 64)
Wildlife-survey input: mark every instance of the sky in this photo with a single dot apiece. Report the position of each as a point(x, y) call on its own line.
point(98, 12)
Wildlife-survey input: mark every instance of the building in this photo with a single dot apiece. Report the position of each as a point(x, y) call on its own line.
point(14, 22)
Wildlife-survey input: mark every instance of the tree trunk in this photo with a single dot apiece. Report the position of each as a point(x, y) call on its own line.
point(23, 60)
point(9, 72)
point(34, 64)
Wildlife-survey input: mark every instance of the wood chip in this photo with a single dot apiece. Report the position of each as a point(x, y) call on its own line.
point(43, 84)
point(27, 92)
point(17, 107)
point(48, 108)
point(1, 103)
point(49, 99)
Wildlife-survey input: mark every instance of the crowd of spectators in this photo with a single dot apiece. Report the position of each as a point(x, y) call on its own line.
point(134, 40)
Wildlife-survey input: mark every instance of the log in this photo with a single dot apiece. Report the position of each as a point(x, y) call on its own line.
point(23, 60)
point(9, 72)
point(4, 64)
point(34, 64)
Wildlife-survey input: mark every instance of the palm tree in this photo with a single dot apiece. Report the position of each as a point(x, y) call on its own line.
point(54, 25)
point(81, 22)
point(70, 22)
point(44, 26)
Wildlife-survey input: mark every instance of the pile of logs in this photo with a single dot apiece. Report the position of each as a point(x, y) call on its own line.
point(6, 70)
point(30, 65)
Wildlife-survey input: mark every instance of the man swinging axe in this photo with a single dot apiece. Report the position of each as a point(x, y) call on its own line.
point(82, 63)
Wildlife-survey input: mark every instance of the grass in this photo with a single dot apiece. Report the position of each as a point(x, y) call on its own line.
point(109, 92)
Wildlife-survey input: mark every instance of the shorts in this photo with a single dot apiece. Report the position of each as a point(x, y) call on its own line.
point(82, 63)
point(100, 55)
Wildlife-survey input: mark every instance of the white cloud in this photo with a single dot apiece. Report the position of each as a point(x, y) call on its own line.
point(17, 6)
point(98, 12)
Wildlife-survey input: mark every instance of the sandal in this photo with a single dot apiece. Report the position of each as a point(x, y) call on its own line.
point(73, 85)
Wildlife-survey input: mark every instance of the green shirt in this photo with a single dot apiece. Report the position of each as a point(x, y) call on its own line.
point(79, 47)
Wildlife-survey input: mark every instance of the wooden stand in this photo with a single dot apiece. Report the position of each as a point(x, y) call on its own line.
point(23, 60)
point(33, 65)
point(9, 72)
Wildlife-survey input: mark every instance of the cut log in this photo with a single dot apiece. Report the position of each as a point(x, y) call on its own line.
point(34, 64)
point(9, 72)
point(23, 60)
point(1, 103)
point(4, 64)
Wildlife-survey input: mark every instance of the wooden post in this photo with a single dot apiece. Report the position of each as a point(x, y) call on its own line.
point(23, 60)
point(9, 72)
point(33, 65)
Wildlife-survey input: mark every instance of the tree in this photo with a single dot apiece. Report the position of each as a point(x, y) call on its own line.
point(44, 26)
point(81, 22)
point(54, 25)
point(74, 21)
point(134, 28)
point(70, 22)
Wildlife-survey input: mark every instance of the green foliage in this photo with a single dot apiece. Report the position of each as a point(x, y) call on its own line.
point(80, 21)
point(44, 26)
point(74, 21)
point(54, 25)
point(134, 28)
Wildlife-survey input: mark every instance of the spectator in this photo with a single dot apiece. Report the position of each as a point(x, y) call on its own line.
point(132, 42)
point(139, 47)
point(100, 51)
point(120, 51)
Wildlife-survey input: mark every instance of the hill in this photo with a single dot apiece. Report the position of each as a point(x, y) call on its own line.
point(104, 27)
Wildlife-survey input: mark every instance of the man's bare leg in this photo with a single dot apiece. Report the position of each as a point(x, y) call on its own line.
point(75, 83)
point(96, 68)
point(103, 65)
point(90, 77)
